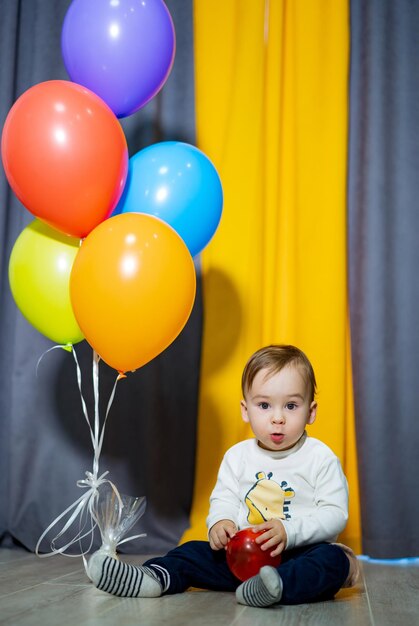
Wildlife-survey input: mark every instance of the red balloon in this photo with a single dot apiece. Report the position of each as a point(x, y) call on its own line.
point(245, 557)
point(65, 156)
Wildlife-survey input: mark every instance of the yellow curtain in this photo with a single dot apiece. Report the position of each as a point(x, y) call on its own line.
point(271, 113)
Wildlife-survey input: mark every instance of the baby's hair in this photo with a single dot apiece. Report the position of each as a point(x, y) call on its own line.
point(274, 358)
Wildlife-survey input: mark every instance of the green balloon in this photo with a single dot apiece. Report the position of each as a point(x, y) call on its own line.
point(39, 276)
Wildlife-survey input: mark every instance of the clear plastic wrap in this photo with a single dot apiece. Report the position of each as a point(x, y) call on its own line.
point(115, 514)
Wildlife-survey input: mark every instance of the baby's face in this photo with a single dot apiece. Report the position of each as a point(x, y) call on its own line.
point(278, 408)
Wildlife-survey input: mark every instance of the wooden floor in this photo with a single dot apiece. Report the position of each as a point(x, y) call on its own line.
point(56, 592)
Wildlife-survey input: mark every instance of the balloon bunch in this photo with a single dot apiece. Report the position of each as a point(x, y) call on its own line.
point(109, 257)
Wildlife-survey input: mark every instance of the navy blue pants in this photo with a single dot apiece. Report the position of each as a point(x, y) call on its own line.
point(309, 573)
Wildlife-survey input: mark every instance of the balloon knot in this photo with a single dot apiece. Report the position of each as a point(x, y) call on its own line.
point(92, 480)
point(68, 347)
point(121, 375)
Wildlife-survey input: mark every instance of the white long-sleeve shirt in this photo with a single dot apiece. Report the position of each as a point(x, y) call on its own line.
point(304, 487)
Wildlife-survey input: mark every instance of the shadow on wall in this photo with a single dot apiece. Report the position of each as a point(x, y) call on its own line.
point(222, 321)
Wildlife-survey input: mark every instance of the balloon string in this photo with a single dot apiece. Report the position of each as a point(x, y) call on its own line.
point(63, 346)
point(96, 447)
point(85, 505)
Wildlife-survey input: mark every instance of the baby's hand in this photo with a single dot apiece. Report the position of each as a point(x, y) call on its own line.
point(274, 537)
point(220, 533)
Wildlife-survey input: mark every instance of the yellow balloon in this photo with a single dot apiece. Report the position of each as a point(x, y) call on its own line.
point(39, 276)
point(132, 288)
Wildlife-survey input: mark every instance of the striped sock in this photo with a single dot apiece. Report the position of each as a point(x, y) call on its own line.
point(264, 589)
point(123, 579)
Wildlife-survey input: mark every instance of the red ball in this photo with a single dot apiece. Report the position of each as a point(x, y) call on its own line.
point(245, 557)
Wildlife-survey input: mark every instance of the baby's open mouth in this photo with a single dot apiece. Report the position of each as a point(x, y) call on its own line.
point(277, 437)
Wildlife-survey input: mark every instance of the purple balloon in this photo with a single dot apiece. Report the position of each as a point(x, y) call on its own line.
point(123, 50)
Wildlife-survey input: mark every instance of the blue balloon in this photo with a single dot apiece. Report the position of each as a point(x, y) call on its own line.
point(177, 183)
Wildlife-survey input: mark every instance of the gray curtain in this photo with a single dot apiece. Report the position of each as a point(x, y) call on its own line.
point(383, 263)
point(44, 442)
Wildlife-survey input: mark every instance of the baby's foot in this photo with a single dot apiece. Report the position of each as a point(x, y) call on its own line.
point(122, 579)
point(264, 589)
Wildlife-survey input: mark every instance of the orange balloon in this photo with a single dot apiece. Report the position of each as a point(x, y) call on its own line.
point(65, 156)
point(132, 288)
